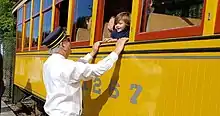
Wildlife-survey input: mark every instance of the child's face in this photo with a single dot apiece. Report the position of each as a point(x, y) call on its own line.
point(120, 26)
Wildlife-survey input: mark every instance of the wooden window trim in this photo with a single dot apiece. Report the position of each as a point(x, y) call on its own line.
point(217, 22)
point(34, 48)
point(25, 23)
point(79, 43)
point(179, 32)
point(99, 20)
point(37, 14)
point(27, 20)
point(43, 48)
point(18, 49)
point(18, 23)
point(18, 15)
point(30, 10)
point(25, 49)
point(57, 2)
point(47, 9)
point(57, 16)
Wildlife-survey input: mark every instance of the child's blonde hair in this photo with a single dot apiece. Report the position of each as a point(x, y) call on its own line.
point(124, 16)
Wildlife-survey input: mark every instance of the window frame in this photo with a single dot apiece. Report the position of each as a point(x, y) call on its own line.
point(58, 1)
point(18, 24)
point(44, 10)
point(37, 13)
point(57, 15)
point(28, 19)
point(21, 24)
point(34, 17)
point(25, 23)
point(99, 20)
point(43, 13)
point(79, 43)
point(169, 33)
point(18, 15)
point(47, 8)
point(217, 22)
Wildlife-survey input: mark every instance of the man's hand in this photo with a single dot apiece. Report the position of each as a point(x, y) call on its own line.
point(120, 45)
point(95, 48)
point(109, 40)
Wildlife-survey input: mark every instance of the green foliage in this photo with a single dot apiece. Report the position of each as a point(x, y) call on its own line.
point(7, 25)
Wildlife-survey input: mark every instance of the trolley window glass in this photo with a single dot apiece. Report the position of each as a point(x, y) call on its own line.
point(169, 18)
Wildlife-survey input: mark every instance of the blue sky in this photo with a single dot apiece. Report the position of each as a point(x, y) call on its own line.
point(82, 8)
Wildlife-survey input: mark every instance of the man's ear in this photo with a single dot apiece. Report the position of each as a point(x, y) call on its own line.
point(62, 45)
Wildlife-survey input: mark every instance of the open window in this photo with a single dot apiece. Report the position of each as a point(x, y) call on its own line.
point(111, 8)
point(61, 13)
point(82, 22)
point(170, 18)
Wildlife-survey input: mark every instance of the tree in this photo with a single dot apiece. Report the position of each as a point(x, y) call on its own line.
point(7, 39)
point(7, 26)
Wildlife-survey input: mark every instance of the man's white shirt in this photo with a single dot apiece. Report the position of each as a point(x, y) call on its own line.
point(62, 82)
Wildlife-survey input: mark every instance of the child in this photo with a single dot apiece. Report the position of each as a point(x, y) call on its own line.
point(121, 27)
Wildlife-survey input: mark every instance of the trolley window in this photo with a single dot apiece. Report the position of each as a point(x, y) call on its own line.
point(19, 36)
point(27, 35)
point(28, 10)
point(61, 14)
point(35, 32)
point(19, 16)
point(46, 24)
point(19, 28)
point(47, 4)
point(111, 9)
point(36, 7)
point(27, 25)
point(170, 18)
point(82, 21)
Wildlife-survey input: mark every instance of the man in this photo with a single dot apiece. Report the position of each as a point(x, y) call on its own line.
point(62, 76)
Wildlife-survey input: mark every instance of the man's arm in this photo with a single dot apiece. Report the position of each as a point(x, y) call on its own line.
point(89, 71)
point(90, 55)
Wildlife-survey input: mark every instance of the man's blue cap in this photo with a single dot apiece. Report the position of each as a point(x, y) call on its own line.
point(54, 38)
